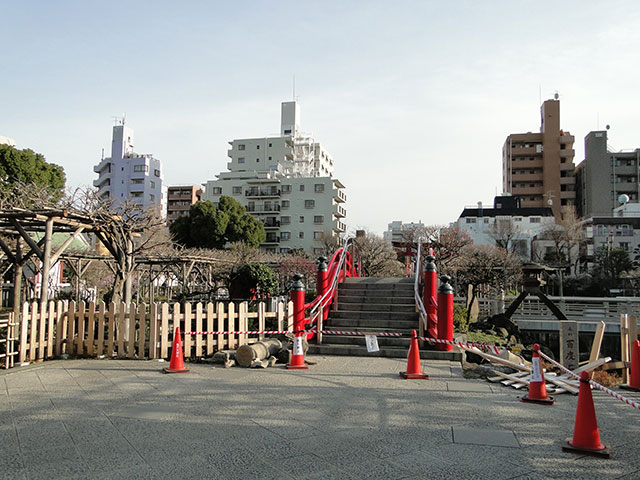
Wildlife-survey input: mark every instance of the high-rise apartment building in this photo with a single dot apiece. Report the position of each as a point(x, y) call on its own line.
point(287, 183)
point(538, 167)
point(179, 200)
point(127, 175)
point(604, 176)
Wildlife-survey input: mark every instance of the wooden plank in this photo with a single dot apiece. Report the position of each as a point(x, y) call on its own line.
point(188, 339)
point(633, 332)
point(111, 328)
point(231, 326)
point(592, 365)
point(493, 358)
point(24, 331)
point(120, 329)
point(81, 329)
point(597, 342)
point(220, 314)
point(142, 329)
point(164, 331)
point(153, 330)
point(261, 320)
point(243, 322)
point(51, 322)
point(198, 338)
point(511, 378)
point(33, 331)
point(61, 327)
point(100, 340)
point(131, 334)
point(91, 329)
point(281, 315)
point(616, 365)
point(210, 340)
point(71, 328)
point(290, 316)
point(562, 384)
point(499, 378)
point(42, 330)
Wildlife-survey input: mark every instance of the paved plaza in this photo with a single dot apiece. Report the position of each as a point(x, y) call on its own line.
point(344, 418)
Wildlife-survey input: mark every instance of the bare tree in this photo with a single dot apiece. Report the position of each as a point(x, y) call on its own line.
point(378, 257)
point(566, 238)
point(447, 244)
point(486, 265)
point(503, 231)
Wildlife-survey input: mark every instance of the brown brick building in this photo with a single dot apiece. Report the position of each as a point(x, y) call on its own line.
point(179, 199)
point(538, 167)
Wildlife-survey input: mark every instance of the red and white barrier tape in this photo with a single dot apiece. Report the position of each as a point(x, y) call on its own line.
point(481, 346)
point(252, 332)
point(346, 332)
point(595, 384)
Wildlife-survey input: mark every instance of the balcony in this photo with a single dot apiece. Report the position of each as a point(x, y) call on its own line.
point(101, 166)
point(271, 224)
point(340, 212)
point(339, 196)
point(264, 193)
point(271, 240)
point(262, 208)
point(102, 181)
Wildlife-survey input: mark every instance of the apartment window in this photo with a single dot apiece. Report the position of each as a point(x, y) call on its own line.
point(286, 188)
point(257, 147)
point(137, 181)
point(152, 184)
point(318, 219)
point(486, 220)
point(285, 220)
point(240, 159)
point(152, 197)
point(301, 219)
point(302, 188)
point(470, 220)
point(156, 172)
point(300, 234)
point(217, 190)
point(285, 203)
point(624, 246)
point(317, 235)
point(285, 235)
point(270, 158)
point(517, 219)
point(136, 194)
point(140, 168)
point(241, 146)
point(534, 220)
point(309, 203)
point(257, 160)
point(237, 190)
point(318, 188)
point(270, 145)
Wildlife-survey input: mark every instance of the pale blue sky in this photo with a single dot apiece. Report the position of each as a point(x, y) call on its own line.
point(413, 99)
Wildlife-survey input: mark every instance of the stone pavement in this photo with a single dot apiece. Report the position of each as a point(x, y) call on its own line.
point(344, 418)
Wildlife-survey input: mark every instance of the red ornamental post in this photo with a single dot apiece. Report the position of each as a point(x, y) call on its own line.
point(297, 297)
point(429, 296)
point(322, 281)
point(445, 313)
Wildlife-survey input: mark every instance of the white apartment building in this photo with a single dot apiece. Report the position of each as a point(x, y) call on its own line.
point(7, 141)
point(128, 175)
point(287, 183)
point(396, 231)
point(507, 219)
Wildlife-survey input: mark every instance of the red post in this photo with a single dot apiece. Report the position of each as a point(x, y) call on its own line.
point(322, 283)
point(445, 313)
point(429, 296)
point(297, 297)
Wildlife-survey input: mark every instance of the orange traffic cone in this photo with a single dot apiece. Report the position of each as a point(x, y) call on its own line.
point(586, 437)
point(537, 387)
point(414, 370)
point(176, 365)
point(634, 377)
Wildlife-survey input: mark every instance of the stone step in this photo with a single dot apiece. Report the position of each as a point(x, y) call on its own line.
point(375, 299)
point(380, 280)
point(390, 317)
point(360, 340)
point(389, 290)
point(376, 307)
point(389, 352)
point(369, 323)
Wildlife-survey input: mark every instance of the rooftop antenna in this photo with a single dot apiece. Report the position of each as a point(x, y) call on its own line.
point(556, 95)
point(115, 120)
point(124, 116)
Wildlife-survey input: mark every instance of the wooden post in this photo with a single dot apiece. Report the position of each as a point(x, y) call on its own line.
point(42, 330)
point(46, 264)
point(597, 342)
point(33, 338)
point(17, 282)
point(210, 328)
point(261, 322)
point(289, 316)
point(231, 326)
point(164, 331)
point(24, 329)
point(81, 329)
point(280, 315)
point(100, 340)
point(131, 343)
point(320, 324)
point(111, 329)
point(61, 327)
point(198, 353)
point(71, 327)
point(153, 331)
point(624, 346)
point(91, 329)
point(120, 330)
point(243, 322)
point(142, 329)
point(187, 328)
point(220, 314)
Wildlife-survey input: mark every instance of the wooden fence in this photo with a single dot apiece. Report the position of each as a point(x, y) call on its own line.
point(7, 340)
point(140, 330)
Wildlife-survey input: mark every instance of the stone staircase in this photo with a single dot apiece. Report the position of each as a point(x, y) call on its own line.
point(375, 305)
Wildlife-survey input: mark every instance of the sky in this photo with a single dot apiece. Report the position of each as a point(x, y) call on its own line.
point(413, 99)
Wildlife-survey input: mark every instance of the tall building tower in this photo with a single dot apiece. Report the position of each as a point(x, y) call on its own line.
point(127, 175)
point(604, 176)
point(287, 183)
point(538, 167)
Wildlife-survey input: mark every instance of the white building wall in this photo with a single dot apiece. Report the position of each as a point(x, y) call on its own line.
point(127, 175)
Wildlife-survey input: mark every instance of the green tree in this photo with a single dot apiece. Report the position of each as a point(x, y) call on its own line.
point(208, 226)
point(27, 167)
point(254, 279)
point(609, 265)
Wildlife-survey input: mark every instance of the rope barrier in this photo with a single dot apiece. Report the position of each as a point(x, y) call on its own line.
point(251, 332)
point(594, 384)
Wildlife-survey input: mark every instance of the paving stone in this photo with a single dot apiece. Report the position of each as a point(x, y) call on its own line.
point(485, 436)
